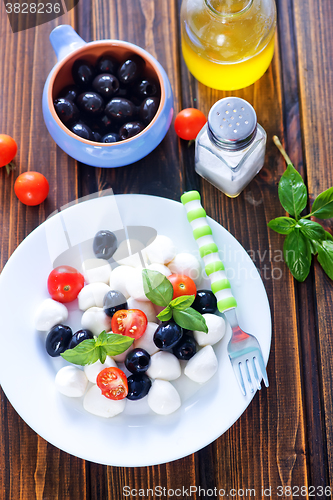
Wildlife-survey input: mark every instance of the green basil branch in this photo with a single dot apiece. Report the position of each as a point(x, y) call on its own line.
point(304, 237)
point(159, 291)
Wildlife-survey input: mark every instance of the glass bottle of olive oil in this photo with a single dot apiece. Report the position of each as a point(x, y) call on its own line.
point(228, 44)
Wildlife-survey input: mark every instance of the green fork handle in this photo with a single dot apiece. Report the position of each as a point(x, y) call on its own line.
point(214, 267)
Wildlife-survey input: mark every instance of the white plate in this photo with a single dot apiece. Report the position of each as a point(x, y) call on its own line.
point(27, 372)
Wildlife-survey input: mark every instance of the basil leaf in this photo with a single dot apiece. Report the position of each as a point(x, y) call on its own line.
point(101, 339)
point(84, 353)
point(328, 236)
point(282, 225)
point(322, 207)
point(166, 314)
point(116, 344)
point(325, 257)
point(292, 191)
point(190, 319)
point(297, 254)
point(182, 302)
point(101, 354)
point(314, 247)
point(311, 229)
point(157, 287)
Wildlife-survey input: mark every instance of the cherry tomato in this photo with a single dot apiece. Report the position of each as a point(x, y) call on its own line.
point(64, 283)
point(182, 285)
point(113, 383)
point(31, 188)
point(129, 322)
point(189, 122)
point(8, 149)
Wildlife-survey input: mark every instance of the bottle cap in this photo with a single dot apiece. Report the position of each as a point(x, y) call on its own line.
point(232, 124)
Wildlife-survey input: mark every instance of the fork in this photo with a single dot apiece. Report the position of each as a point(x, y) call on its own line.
point(243, 348)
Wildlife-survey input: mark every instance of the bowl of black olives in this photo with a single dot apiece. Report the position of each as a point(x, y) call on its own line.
point(107, 103)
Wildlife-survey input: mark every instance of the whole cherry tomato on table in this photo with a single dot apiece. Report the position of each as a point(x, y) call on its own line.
point(182, 285)
point(113, 383)
point(188, 123)
point(64, 283)
point(129, 322)
point(31, 188)
point(8, 149)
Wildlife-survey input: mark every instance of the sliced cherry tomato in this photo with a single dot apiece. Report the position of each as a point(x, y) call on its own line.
point(130, 322)
point(113, 383)
point(188, 123)
point(64, 283)
point(182, 285)
point(31, 188)
point(8, 149)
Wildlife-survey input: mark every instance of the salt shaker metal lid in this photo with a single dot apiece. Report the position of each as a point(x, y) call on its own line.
point(232, 124)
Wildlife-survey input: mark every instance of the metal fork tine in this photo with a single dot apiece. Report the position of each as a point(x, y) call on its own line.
point(248, 376)
point(262, 369)
point(254, 368)
point(239, 376)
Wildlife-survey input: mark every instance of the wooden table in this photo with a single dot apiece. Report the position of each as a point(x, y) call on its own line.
point(285, 437)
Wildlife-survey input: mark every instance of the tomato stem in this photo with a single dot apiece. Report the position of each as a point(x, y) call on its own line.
point(10, 167)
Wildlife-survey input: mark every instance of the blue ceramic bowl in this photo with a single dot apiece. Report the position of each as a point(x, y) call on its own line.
point(68, 47)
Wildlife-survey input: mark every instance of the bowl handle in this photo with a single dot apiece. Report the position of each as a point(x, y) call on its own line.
point(64, 40)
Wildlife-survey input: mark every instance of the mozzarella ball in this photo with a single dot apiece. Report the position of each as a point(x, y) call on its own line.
point(144, 306)
point(94, 402)
point(161, 250)
point(128, 253)
point(186, 263)
point(93, 370)
point(216, 330)
point(134, 285)
point(146, 342)
point(71, 381)
point(163, 398)
point(95, 320)
point(164, 365)
point(92, 295)
point(96, 271)
point(161, 268)
point(202, 366)
point(118, 278)
point(50, 313)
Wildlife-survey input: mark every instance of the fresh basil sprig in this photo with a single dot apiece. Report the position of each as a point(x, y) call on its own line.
point(304, 237)
point(159, 291)
point(91, 350)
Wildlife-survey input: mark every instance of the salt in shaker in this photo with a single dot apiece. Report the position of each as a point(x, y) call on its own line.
point(230, 148)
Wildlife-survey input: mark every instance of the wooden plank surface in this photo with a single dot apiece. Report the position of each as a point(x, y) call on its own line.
point(285, 436)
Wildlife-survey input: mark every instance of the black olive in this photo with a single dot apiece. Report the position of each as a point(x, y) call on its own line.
point(122, 92)
point(186, 348)
point(110, 137)
point(91, 103)
point(106, 64)
point(137, 360)
point(205, 302)
point(82, 130)
point(130, 129)
point(106, 85)
point(120, 109)
point(96, 136)
point(138, 386)
point(148, 109)
point(58, 339)
point(79, 337)
point(83, 73)
point(66, 110)
point(145, 88)
point(167, 335)
point(70, 92)
point(104, 244)
point(114, 301)
point(130, 70)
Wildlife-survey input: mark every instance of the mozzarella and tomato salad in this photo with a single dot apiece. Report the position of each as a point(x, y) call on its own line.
point(114, 301)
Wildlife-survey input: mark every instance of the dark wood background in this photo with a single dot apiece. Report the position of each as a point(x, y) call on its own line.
point(285, 437)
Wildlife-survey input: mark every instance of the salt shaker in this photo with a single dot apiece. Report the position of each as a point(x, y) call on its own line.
point(230, 148)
